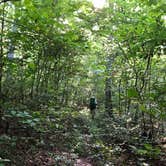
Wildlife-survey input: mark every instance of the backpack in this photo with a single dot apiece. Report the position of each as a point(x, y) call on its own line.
point(93, 103)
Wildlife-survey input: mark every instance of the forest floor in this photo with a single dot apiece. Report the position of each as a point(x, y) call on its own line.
point(125, 157)
point(42, 158)
point(82, 162)
point(80, 146)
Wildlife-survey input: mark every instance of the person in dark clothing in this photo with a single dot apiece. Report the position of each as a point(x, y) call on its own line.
point(92, 106)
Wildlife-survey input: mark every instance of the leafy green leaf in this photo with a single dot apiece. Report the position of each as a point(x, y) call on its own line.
point(132, 93)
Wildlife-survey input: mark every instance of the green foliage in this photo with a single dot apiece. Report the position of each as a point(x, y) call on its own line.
point(132, 93)
point(148, 151)
point(68, 51)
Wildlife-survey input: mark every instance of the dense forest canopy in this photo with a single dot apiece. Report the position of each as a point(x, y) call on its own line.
point(57, 54)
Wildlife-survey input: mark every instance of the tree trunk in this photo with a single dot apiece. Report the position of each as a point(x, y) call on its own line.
point(108, 87)
point(119, 97)
point(1, 59)
point(108, 97)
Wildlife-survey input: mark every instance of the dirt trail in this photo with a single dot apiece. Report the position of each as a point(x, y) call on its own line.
point(82, 162)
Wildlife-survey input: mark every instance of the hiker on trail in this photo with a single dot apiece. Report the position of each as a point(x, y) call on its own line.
point(92, 106)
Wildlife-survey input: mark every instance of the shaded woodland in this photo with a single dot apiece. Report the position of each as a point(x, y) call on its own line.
point(57, 54)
